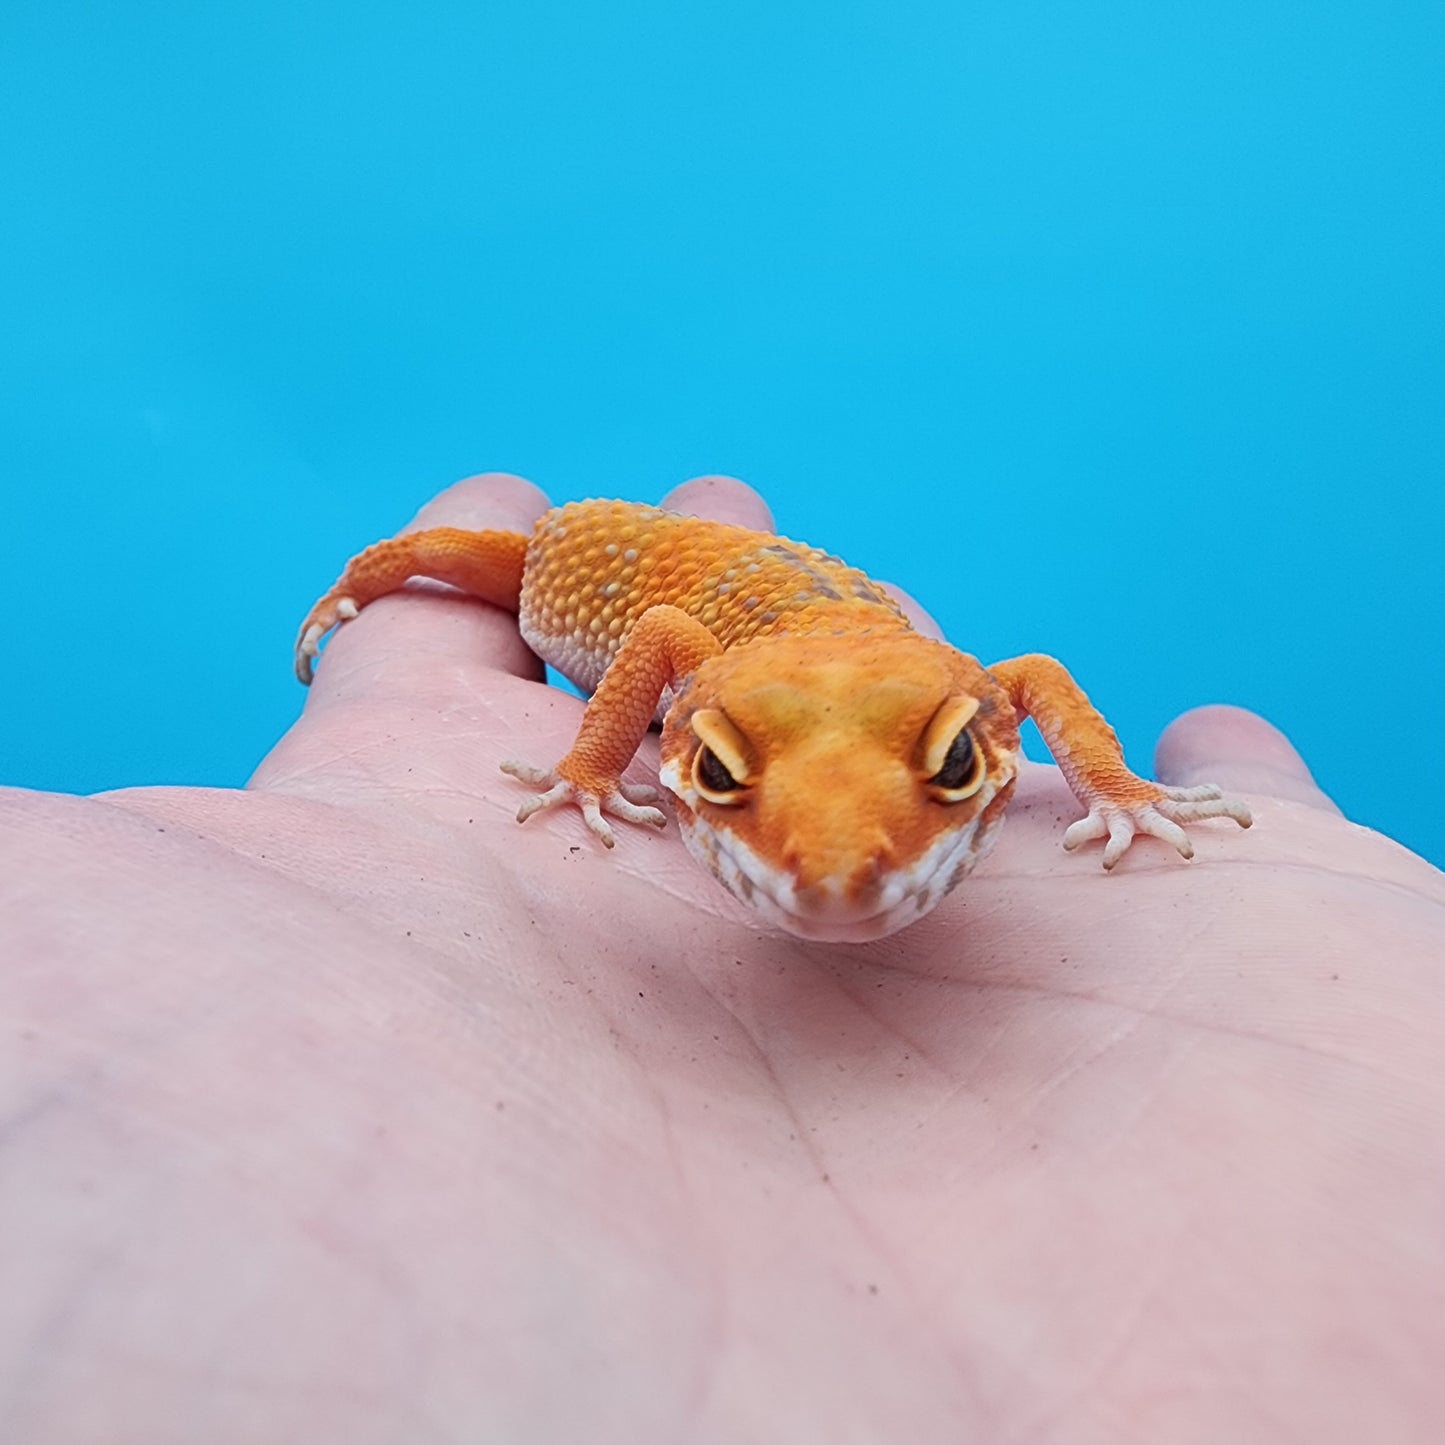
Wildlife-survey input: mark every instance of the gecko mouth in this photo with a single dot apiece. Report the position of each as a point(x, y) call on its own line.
point(827, 913)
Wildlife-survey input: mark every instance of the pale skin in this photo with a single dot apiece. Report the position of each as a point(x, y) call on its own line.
point(343, 1108)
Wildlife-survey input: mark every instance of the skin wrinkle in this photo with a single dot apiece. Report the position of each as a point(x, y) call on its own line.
point(706, 1382)
point(869, 1009)
point(871, 1234)
point(333, 891)
point(1119, 1339)
point(366, 1258)
point(1071, 1068)
point(716, 1307)
point(445, 984)
point(1313, 868)
point(1107, 1348)
point(44, 1346)
point(223, 1377)
point(42, 1104)
point(1203, 1026)
point(718, 1326)
point(64, 1321)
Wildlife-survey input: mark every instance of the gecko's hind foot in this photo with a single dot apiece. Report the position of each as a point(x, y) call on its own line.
point(319, 621)
point(1159, 816)
point(627, 801)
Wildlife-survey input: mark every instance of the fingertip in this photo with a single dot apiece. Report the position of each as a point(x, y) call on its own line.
point(921, 619)
point(499, 500)
point(1238, 750)
point(721, 499)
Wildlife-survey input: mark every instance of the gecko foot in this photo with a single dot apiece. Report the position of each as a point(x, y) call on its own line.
point(622, 800)
point(1160, 817)
point(321, 619)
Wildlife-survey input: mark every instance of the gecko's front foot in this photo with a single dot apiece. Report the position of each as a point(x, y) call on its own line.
point(1160, 816)
point(623, 800)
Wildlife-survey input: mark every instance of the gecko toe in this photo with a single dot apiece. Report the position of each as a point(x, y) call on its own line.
point(622, 800)
point(323, 617)
point(526, 773)
point(622, 807)
point(1085, 830)
point(592, 816)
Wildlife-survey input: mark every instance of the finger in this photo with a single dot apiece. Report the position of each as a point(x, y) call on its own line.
point(913, 611)
point(726, 499)
point(427, 628)
point(721, 499)
point(1239, 751)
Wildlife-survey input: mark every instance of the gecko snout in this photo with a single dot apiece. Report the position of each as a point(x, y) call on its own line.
point(846, 863)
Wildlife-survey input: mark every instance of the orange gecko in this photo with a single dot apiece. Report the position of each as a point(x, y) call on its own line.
point(833, 768)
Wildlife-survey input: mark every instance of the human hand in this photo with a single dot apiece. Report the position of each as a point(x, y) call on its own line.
point(343, 1108)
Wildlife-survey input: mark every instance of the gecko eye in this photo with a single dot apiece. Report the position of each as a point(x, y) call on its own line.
point(962, 772)
point(952, 764)
point(712, 779)
point(720, 767)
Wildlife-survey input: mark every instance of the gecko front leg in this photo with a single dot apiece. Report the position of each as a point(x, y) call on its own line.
point(665, 646)
point(1120, 803)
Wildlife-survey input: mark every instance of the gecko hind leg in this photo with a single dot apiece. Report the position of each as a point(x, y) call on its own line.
point(484, 564)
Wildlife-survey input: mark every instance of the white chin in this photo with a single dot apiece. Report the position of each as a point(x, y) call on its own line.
point(828, 927)
point(909, 895)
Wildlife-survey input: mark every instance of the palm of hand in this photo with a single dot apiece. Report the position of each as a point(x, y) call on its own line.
point(377, 1117)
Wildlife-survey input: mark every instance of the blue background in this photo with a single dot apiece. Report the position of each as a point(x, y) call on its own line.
point(1111, 330)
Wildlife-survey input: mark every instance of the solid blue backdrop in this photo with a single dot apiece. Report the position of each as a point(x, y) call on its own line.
point(1111, 330)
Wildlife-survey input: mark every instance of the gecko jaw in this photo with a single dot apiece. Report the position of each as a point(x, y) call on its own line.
point(826, 912)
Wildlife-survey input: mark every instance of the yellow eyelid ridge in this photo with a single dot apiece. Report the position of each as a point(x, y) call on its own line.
point(944, 727)
point(716, 730)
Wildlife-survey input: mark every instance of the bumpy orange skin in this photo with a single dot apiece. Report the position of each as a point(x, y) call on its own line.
point(809, 676)
point(593, 568)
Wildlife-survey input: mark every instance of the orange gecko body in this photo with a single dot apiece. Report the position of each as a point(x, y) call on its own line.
point(835, 769)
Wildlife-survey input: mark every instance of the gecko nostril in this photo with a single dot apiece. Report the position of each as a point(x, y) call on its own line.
point(868, 879)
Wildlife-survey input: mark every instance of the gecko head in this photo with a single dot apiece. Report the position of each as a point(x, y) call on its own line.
point(840, 785)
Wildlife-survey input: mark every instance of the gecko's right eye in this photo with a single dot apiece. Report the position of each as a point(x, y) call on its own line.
point(720, 767)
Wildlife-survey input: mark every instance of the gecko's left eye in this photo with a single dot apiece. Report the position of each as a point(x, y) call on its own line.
point(962, 772)
point(953, 763)
point(720, 767)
